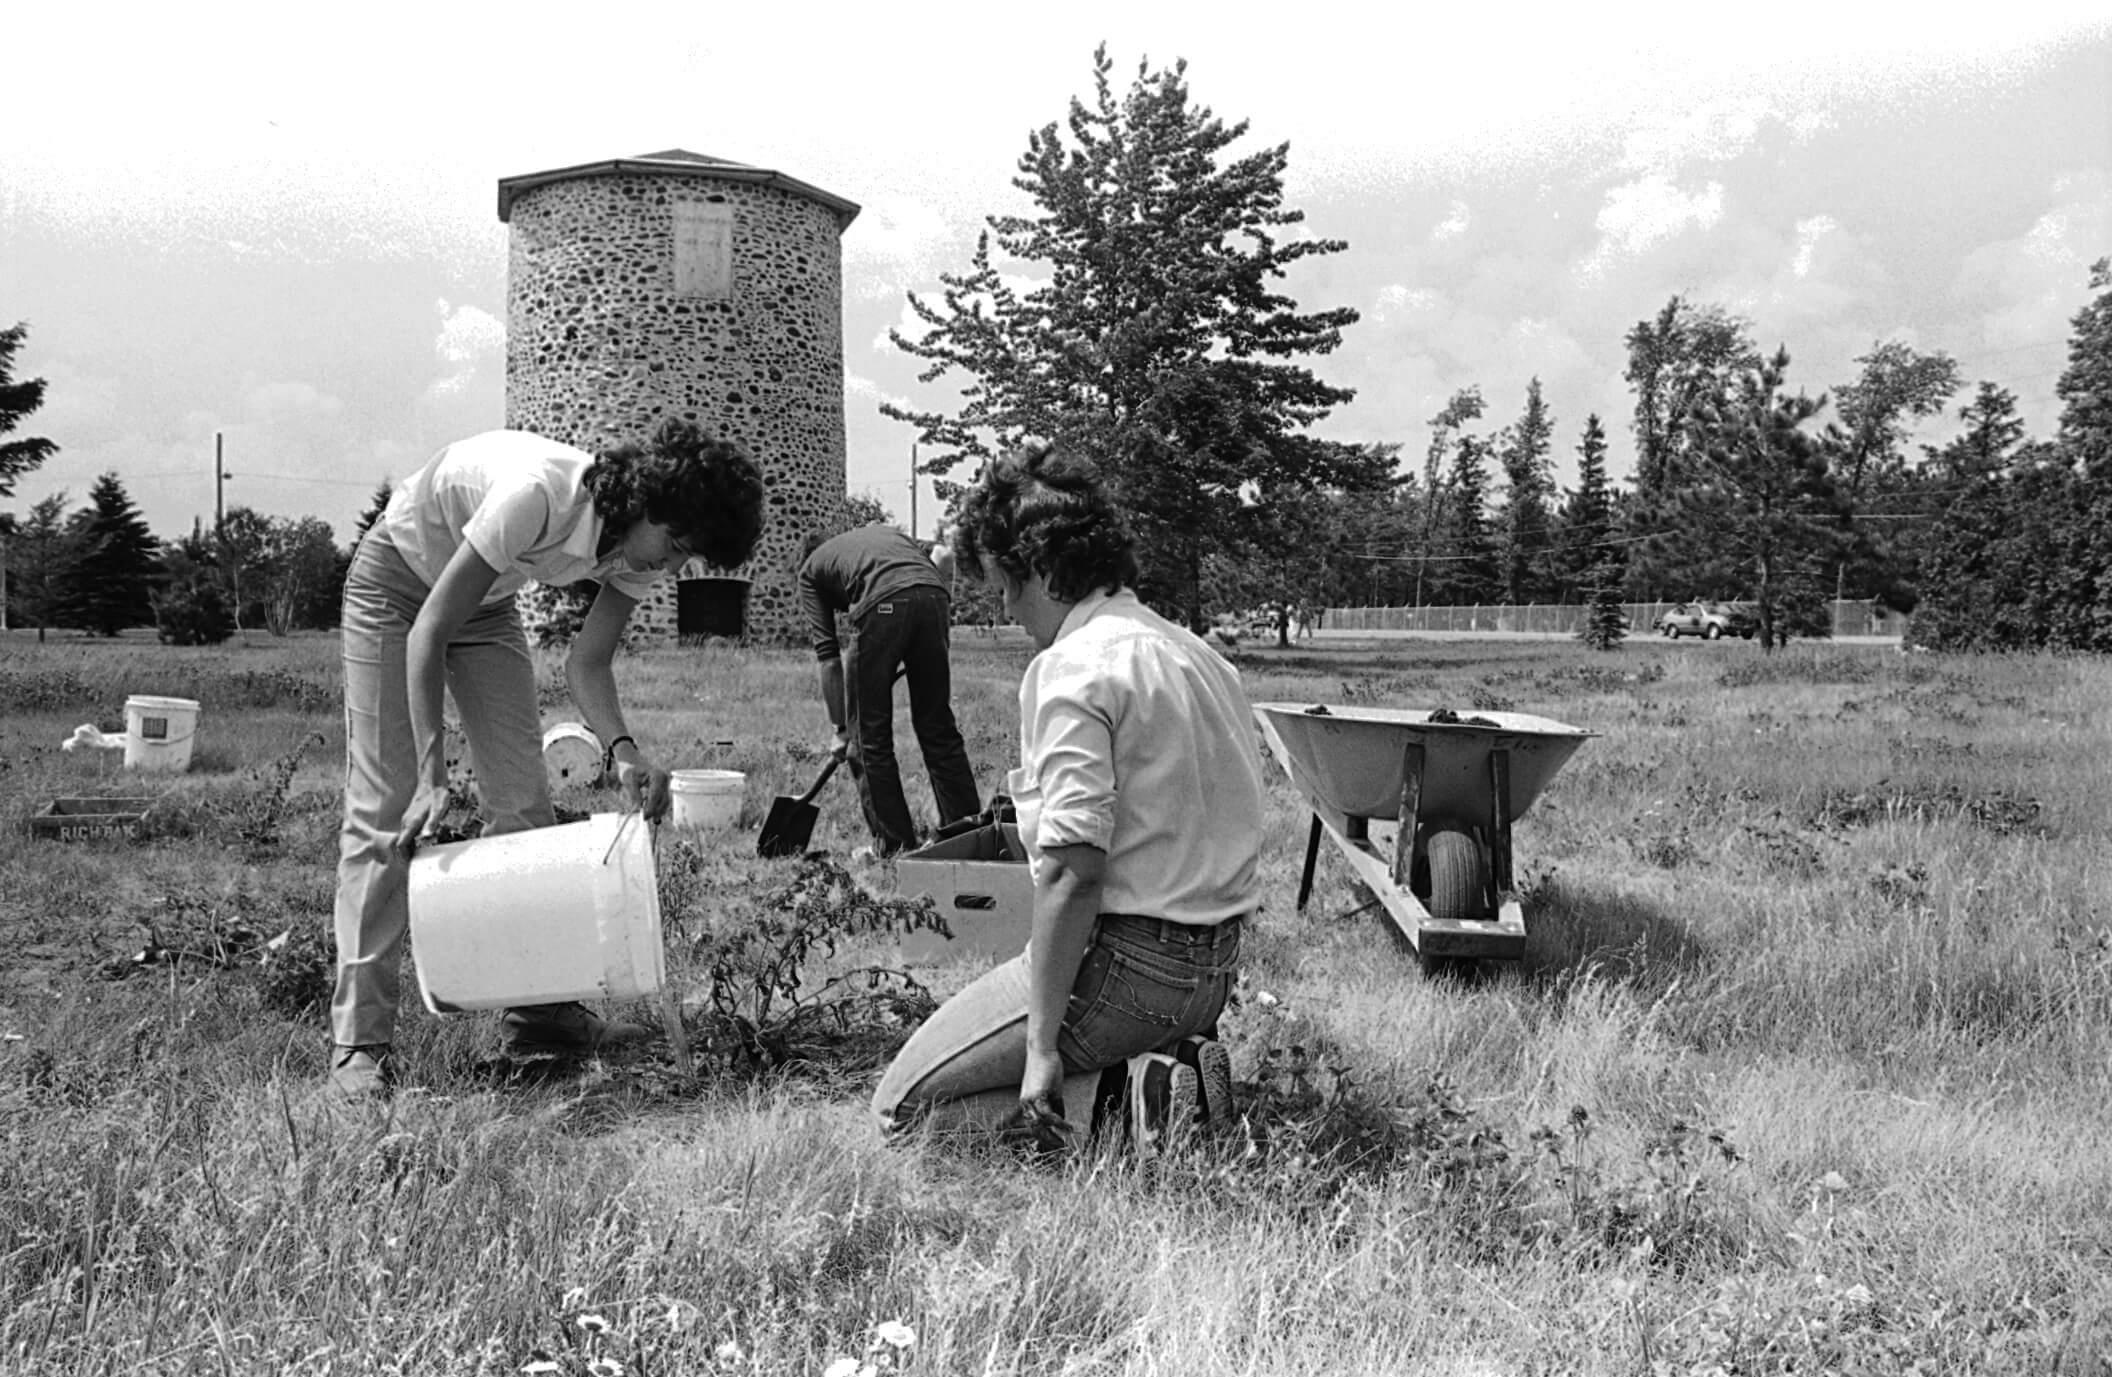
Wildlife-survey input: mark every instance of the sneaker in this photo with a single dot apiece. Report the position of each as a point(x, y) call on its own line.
point(1162, 1101)
point(544, 1029)
point(361, 1073)
point(1213, 1074)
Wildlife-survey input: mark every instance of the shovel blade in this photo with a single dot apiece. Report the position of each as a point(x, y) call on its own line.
point(790, 825)
point(788, 829)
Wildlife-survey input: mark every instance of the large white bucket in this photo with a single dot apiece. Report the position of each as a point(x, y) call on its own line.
point(159, 732)
point(572, 755)
point(538, 917)
point(706, 800)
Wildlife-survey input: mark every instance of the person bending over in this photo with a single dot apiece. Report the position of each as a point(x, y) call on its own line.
point(429, 602)
point(891, 590)
point(1139, 800)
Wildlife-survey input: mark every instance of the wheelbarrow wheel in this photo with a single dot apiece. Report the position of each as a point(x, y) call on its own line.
point(1456, 889)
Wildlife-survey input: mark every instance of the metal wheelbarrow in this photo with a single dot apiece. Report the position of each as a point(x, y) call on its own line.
point(1452, 784)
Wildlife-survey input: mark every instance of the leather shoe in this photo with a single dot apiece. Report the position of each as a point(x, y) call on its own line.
point(361, 1073)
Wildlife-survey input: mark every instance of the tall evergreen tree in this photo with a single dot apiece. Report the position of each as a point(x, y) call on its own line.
point(376, 505)
point(1160, 343)
point(1763, 510)
point(118, 572)
point(17, 401)
point(46, 551)
point(1527, 558)
point(1586, 520)
point(1472, 573)
point(2085, 390)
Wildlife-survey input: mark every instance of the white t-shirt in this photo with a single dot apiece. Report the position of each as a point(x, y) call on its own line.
point(1138, 739)
point(518, 500)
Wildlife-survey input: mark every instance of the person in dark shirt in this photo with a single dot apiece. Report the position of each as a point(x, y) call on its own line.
point(898, 606)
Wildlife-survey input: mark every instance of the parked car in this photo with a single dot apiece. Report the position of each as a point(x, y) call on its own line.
point(1710, 620)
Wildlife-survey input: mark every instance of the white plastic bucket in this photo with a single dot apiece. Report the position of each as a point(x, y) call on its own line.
point(572, 754)
point(159, 732)
point(538, 917)
point(706, 800)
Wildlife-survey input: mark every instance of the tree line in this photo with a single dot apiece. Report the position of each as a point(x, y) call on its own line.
point(1157, 337)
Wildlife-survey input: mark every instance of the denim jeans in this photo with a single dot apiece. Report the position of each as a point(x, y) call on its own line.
point(491, 677)
point(906, 631)
point(1142, 985)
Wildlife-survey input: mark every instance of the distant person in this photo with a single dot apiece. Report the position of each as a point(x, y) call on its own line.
point(429, 603)
point(1139, 799)
point(1305, 621)
point(888, 587)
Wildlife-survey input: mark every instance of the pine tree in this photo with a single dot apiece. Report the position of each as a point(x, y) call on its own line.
point(17, 401)
point(45, 554)
point(2085, 390)
point(1159, 343)
point(117, 574)
point(1587, 517)
point(1762, 509)
point(1472, 575)
point(1527, 561)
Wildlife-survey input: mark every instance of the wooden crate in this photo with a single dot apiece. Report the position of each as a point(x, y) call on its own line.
point(90, 819)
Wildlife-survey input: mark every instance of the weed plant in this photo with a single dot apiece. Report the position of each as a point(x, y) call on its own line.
point(1805, 1069)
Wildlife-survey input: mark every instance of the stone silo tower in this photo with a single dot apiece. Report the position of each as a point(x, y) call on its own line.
point(680, 284)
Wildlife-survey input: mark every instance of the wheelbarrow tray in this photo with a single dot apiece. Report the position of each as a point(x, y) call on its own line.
point(1347, 760)
point(1358, 764)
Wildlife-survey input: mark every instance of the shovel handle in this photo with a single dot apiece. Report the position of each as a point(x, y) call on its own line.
point(821, 779)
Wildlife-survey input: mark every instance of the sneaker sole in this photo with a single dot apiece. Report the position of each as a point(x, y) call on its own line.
point(1213, 1071)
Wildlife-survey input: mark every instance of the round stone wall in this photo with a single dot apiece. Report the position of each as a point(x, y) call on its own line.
point(609, 329)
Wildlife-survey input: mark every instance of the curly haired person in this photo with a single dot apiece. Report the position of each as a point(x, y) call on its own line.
point(429, 605)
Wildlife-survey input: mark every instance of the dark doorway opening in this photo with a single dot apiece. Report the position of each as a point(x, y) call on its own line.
point(711, 607)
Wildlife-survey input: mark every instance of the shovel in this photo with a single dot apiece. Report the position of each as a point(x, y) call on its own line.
point(790, 825)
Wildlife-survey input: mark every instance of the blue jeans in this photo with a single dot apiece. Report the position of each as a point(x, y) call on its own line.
point(491, 677)
point(1142, 985)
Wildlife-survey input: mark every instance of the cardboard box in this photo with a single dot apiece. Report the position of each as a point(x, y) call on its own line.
point(983, 887)
point(90, 819)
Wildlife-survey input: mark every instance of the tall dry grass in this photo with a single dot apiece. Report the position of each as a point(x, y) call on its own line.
point(1806, 1068)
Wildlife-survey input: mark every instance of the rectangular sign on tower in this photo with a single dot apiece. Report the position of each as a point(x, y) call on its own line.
point(703, 249)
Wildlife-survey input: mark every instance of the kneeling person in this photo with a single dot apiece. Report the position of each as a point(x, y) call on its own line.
point(1139, 799)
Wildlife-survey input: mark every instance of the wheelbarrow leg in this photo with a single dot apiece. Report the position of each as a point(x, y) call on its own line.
point(1404, 841)
point(1312, 856)
point(1499, 828)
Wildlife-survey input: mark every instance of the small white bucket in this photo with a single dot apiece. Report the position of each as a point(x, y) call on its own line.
point(572, 754)
point(706, 800)
point(538, 917)
point(159, 732)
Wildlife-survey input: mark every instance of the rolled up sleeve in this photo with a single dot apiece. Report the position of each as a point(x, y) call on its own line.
point(1072, 757)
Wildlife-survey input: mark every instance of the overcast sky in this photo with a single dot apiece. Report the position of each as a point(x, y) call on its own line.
point(229, 218)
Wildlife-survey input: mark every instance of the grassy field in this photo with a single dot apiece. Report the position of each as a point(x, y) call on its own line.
point(1808, 1068)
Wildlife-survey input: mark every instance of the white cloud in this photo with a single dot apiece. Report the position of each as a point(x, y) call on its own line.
point(1453, 225)
point(469, 339)
point(856, 387)
point(1810, 232)
point(1639, 215)
point(1397, 300)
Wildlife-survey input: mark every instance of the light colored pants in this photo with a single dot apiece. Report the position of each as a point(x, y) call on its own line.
point(492, 679)
point(1143, 985)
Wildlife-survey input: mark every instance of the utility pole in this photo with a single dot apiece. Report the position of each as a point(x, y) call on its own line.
point(912, 492)
point(219, 486)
